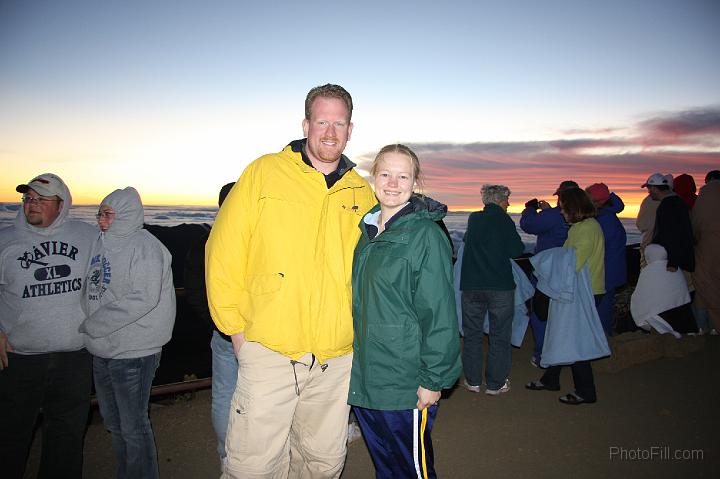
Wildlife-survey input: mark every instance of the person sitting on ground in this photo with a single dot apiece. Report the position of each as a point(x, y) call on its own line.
point(657, 292)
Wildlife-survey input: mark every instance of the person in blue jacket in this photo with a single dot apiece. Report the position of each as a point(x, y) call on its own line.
point(547, 223)
point(608, 206)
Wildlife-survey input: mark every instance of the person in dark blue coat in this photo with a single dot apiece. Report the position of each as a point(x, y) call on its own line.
point(608, 206)
point(547, 223)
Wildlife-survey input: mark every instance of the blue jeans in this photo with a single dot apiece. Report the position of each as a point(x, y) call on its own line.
point(224, 377)
point(605, 311)
point(499, 305)
point(122, 387)
point(702, 318)
point(538, 329)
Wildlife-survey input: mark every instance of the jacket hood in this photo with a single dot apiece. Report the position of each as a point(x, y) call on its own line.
point(435, 209)
point(129, 213)
point(21, 221)
point(423, 205)
point(684, 187)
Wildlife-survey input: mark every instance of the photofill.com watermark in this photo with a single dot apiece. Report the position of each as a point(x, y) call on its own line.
point(655, 453)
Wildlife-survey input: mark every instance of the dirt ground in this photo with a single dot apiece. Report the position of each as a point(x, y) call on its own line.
point(645, 416)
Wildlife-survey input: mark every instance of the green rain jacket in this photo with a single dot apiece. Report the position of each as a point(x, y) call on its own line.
point(406, 332)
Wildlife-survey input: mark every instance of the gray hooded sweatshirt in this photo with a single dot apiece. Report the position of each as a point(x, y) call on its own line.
point(41, 278)
point(129, 292)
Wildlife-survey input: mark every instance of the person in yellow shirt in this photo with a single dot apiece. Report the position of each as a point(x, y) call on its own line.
point(278, 271)
point(586, 236)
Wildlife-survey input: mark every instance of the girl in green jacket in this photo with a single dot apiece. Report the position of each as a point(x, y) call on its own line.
point(406, 343)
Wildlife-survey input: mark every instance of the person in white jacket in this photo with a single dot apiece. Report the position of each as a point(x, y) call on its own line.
point(657, 291)
point(130, 306)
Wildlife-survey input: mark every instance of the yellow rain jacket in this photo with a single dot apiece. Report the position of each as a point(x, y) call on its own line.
point(279, 257)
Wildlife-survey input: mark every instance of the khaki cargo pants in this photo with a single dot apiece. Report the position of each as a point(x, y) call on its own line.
point(287, 419)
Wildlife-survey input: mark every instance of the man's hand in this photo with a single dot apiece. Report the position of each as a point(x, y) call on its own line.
point(544, 205)
point(532, 204)
point(426, 397)
point(238, 340)
point(5, 347)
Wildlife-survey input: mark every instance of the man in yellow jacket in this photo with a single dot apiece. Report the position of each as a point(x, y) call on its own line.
point(278, 267)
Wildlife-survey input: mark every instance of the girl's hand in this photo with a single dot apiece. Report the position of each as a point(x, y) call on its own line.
point(426, 397)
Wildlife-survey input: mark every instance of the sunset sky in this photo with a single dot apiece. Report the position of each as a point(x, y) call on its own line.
point(177, 97)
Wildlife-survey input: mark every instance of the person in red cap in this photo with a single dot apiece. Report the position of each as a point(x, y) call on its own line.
point(608, 205)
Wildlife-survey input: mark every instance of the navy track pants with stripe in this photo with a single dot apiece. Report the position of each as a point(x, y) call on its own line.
point(399, 441)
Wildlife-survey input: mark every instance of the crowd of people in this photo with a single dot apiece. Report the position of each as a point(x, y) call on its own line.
point(325, 294)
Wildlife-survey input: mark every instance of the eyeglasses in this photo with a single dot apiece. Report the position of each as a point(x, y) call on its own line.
point(38, 200)
point(104, 214)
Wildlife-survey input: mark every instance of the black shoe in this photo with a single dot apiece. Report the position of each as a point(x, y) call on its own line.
point(539, 386)
point(573, 399)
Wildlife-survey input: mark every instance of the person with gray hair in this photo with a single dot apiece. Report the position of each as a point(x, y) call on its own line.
point(495, 194)
point(488, 287)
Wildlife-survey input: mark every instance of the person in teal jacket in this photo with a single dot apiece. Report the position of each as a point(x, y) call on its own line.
point(406, 344)
point(488, 288)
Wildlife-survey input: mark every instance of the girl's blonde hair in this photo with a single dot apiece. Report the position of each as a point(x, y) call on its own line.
point(403, 150)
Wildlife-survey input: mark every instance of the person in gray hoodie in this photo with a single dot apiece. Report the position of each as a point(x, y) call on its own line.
point(130, 306)
point(43, 365)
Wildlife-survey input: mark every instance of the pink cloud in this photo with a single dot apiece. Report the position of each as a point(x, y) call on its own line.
point(454, 173)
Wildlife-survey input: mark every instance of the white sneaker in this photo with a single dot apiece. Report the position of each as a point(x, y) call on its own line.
point(354, 432)
point(713, 332)
point(495, 392)
point(470, 387)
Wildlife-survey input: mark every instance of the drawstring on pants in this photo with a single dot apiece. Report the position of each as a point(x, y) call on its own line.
point(323, 367)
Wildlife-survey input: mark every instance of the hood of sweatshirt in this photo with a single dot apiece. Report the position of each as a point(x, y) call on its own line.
point(22, 224)
point(684, 187)
point(129, 213)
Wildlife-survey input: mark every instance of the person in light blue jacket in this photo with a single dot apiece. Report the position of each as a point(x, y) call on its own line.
point(586, 237)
